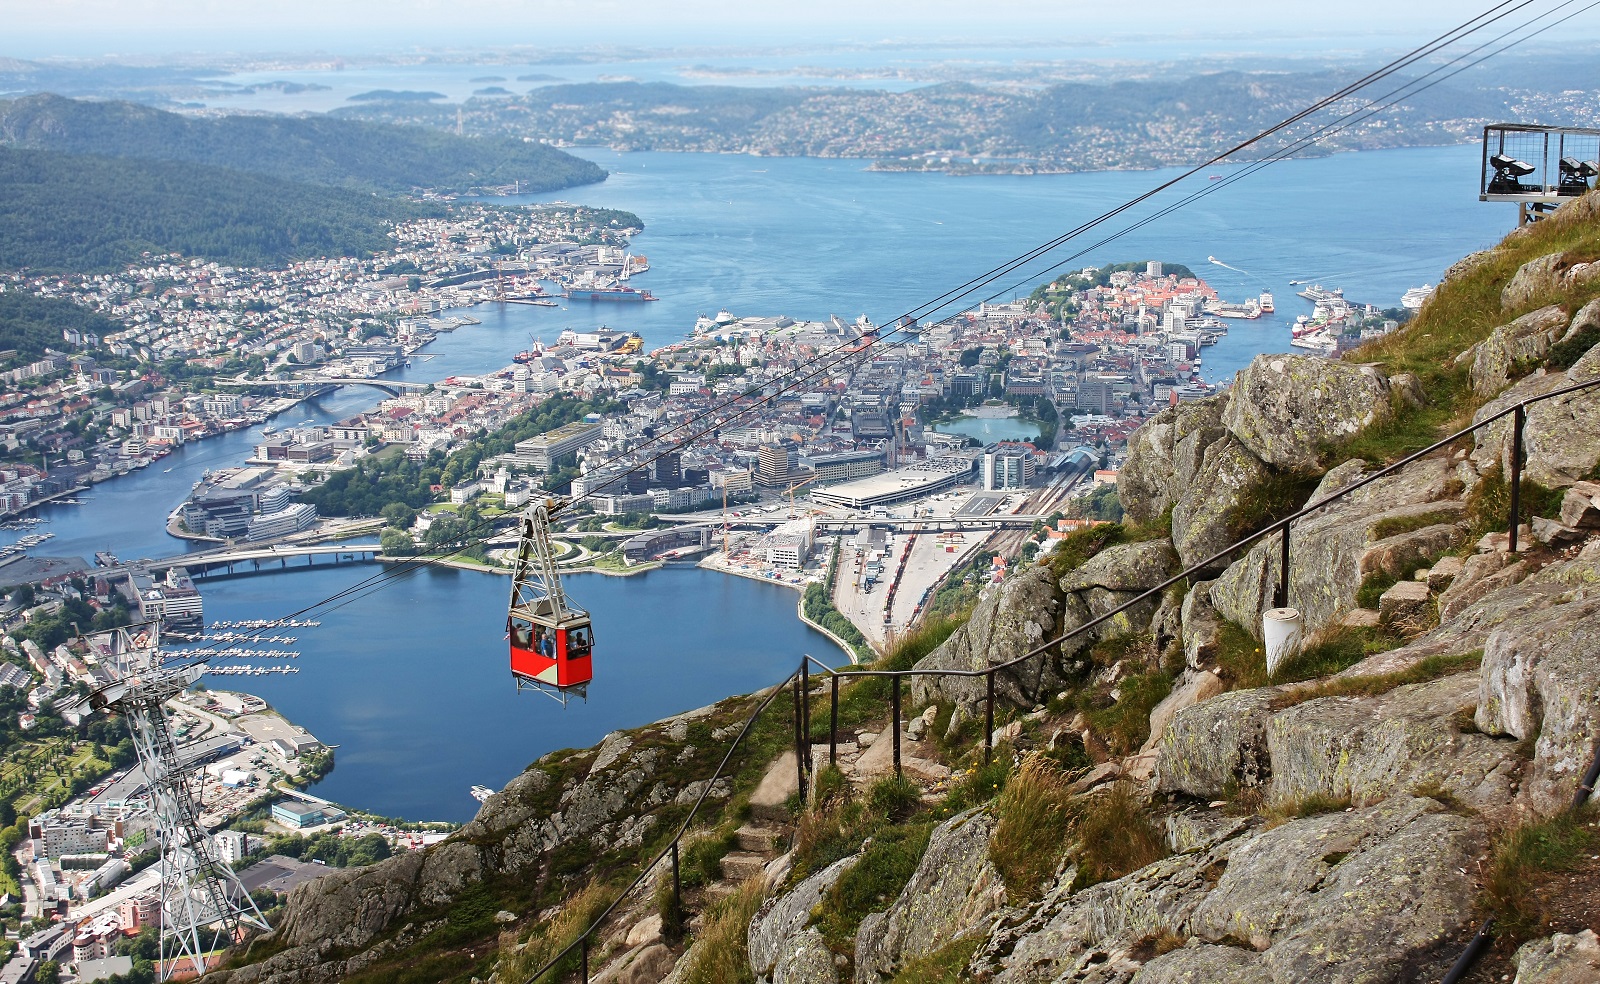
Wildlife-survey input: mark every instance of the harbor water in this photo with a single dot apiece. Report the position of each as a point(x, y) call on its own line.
point(410, 679)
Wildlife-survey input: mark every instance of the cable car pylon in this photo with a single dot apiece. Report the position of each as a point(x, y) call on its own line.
point(551, 641)
point(204, 908)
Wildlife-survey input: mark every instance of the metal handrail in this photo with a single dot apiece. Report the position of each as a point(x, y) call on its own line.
point(671, 848)
point(799, 681)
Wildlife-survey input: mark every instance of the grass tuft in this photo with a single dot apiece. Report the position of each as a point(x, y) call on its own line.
point(877, 879)
point(1524, 858)
point(1115, 836)
point(946, 965)
point(722, 956)
point(1333, 650)
point(519, 959)
point(1031, 832)
point(1282, 811)
point(1432, 668)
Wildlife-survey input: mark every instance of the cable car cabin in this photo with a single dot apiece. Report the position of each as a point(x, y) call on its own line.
point(551, 641)
point(548, 650)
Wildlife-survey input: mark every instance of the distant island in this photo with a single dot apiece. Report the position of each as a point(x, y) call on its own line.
point(396, 95)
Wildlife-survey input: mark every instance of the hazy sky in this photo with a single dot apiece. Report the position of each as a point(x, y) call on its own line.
point(35, 28)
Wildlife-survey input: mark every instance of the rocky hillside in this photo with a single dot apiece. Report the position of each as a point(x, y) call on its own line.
point(1160, 808)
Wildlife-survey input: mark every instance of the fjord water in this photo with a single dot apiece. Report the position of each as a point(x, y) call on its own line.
point(410, 680)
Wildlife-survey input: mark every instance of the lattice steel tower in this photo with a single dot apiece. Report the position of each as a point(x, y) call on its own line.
point(204, 908)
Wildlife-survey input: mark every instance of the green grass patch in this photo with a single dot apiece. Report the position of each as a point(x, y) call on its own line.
point(872, 885)
point(1565, 354)
point(702, 858)
point(1333, 650)
point(1489, 503)
point(1280, 494)
point(1527, 857)
point(1282, 811)
point(1431, 668)
point(1395, 525)
point(1240, 657)
point(1078, 546)
point(1373, 586)
point(946, 965)
point(1125, 725)
point(976, 786)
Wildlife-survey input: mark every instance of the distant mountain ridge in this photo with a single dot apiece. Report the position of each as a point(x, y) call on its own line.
point(1070, 126)
point(350, 154)
point(84, 213)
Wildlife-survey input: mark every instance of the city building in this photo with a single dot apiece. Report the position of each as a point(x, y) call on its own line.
point(232, 845)
point(772, 464)
point(844, 464)
point(298, 815)
point(1008, 465)
point(544, 451)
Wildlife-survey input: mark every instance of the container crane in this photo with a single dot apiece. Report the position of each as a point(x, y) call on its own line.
point(551, 641)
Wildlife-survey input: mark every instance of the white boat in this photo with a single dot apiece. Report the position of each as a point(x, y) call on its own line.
point(1316, 341)
point(481, 793)
point(1413, 299)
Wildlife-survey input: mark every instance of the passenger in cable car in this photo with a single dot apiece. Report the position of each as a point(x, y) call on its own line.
point(579, 640)
point(521, 635)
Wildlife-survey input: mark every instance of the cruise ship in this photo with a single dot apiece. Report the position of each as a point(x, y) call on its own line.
point(1413, 299)
point(1266, 302)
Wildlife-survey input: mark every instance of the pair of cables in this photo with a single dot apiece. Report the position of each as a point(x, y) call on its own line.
point(1022, 268)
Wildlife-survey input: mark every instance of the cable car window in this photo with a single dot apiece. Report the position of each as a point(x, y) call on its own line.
point(579, 641)
point(521, 634)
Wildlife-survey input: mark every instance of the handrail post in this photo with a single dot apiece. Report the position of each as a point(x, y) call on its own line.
point(799, 748)
point(805, 711)
point(1281, 599)
point(833, 723)
point(895, 713)
point(677, 892)
point(586, 958)
point(988, 717)
point(1518, 418)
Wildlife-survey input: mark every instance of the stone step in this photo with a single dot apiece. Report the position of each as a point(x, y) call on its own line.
point(759, 840)
point(771, 797)
point(739, 866)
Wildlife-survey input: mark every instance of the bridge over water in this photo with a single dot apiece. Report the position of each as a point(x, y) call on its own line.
point(394, 387)
point(248, 560)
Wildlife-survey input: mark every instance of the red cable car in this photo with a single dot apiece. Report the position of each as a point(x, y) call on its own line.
point(551, 641)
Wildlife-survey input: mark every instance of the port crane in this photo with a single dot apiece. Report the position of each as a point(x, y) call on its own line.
point(551, 641)
point(204, 908)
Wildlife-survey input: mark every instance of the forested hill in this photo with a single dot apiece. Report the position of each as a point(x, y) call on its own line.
point(322, 150)
point(73, 212)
